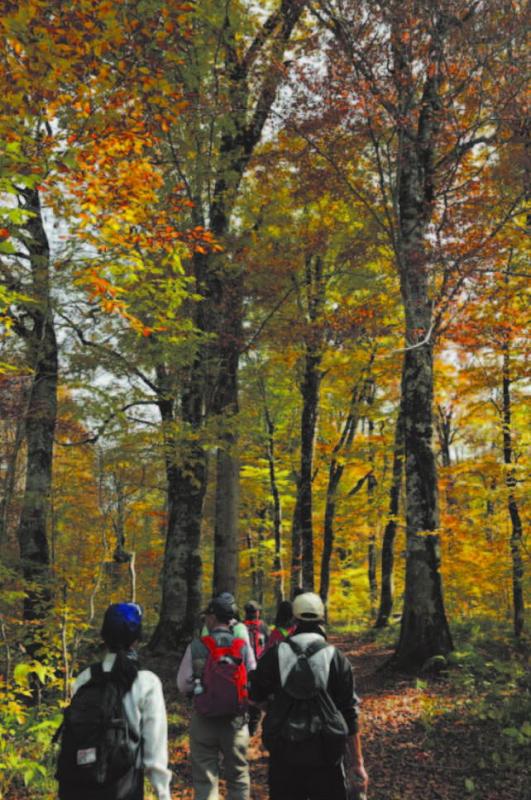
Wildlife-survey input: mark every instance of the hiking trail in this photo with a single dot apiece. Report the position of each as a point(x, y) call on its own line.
point(417, 746)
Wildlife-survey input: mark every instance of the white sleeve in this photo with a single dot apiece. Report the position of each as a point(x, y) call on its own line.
point(250, 658)
point(81, 680)
point(155, 739)
point(185, 675)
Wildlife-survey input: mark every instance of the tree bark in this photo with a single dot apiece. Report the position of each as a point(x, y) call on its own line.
point(424, 631)
point(41, 416)
point(11, 474)
point(296, 549)
point(276, 507)
point(387, 558)
point(186, 477)
point(514, 514)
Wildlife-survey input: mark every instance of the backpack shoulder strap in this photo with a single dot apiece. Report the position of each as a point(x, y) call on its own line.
point(97, 675)
point(210, 644)
point(237, 647)
point(295, 646)
point(316, 646)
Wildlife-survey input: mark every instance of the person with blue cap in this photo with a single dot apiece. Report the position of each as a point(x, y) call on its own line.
point(143, 707)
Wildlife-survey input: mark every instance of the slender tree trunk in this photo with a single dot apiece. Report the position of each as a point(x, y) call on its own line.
point(387, 561)
point(334, 476)
point(296, 549)
point(310, 406)
point(41, 416)
point(371, 486)
point(372, 559)
point(510, 482)
point(277, 508)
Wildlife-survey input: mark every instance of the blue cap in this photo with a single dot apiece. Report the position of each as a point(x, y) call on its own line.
point(122, 625)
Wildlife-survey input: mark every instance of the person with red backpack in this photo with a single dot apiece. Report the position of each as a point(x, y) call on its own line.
point(214, 673)
point(257, 628)
point(311, 724)
point(283, 626)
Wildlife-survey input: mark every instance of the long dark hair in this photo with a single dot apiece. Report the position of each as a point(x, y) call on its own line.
point(125, 668)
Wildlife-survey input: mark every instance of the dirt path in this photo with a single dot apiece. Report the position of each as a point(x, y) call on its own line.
point(416, 747)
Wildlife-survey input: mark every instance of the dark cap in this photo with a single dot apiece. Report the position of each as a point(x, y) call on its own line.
point(223, 606)
point(122, 625)
point(252, 605)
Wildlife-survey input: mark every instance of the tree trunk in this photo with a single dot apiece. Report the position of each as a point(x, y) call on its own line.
point(277, 508)
point(11, 474)
point(424, 631)
point(41, 416)
point(510, 482)
point(334, 476)
point(387, 579)
point(310, 406)
point(224, 357)
point(296, 549)
point(371, 486)
point(186, 476)
point(371, 551)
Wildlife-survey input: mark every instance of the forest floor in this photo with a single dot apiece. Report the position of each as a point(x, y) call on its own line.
point(422, 739)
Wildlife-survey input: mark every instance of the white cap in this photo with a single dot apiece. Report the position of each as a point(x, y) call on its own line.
point(308, 607)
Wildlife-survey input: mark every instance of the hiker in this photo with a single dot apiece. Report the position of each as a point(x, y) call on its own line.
point(311, 718)
point(283, 626)
point(239, 629)
point(115, 727)
point(258, 630)
point(258, 637)
point(214, 673)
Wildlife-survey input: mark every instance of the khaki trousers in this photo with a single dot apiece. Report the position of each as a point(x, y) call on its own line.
point(211, 737)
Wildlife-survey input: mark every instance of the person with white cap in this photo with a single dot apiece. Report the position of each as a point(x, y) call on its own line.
point(311, 724)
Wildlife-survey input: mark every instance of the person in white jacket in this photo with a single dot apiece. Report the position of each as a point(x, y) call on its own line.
point(143, 704)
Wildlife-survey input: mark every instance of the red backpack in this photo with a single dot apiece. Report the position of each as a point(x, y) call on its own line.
point(224, 680)
point(256, 636)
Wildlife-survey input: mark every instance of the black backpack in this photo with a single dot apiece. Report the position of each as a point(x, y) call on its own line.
point(303, 723)
point(98, 751)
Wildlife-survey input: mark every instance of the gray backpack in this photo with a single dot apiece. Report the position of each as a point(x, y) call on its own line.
point(303, 722)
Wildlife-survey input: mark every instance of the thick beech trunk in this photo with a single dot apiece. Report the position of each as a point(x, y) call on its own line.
point(41, 416)
point(186, 477)
point(225, 405)
point(181, 576)
point(514, 514)
point(424, 631)
point(387, 558)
